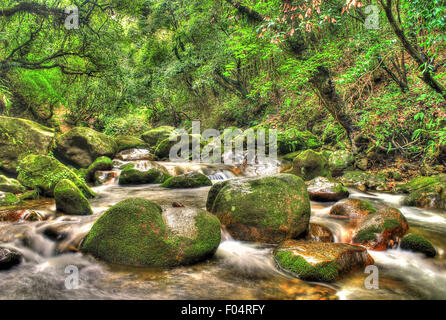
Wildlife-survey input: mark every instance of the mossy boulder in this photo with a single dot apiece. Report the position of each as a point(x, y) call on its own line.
point(352, 208)
point(154, 136)
point(8, 199)
point(70, 200)
point(137, 232)
point(291, 156)
point(381, 230)
point(339, 161)
point(268, 209)
point(19, 137)
point(187, 180)
point(30, 195)
point(364, 181)
point(319, 233)
point(43, 173)
point(319, 261)
point(309, 165)
point(81, 146)
point(100, 164)
point(425, 192)
point(323, 189)
point(417, 243)
point(129, 175)
point(130, 142)
point(9, 258)
point(10, 185)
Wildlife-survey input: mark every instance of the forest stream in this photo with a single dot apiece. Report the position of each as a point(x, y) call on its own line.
point(239, 270)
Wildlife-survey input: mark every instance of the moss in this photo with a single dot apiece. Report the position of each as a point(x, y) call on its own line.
point(417, 183)
point(366, 206)
point(310, 164)
point(154, 136)
point(44, 173)
point(8, 199)
point(70, 200)
point(10, 185)
point(133, 232)
point(100, 164)
point(188, 180)
point(390, 224)
point(30, 195)
point(19, 137)
point(367, 234)
point(277, 207)
point(417, 243)
point(129, 142)
point(158, 176)
point(325, 271)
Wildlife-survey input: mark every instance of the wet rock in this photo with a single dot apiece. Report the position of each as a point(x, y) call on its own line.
point(322, 189)
point(339, 161)
point(132, 176)
point(21, 215)
point(135, 155)
point(130, 142)
point(100, 164)
point(137, 232)
point(319, 233)
point(8, 199)
point(55, 232)
point(309, 165)
point(9, 258)
point(364, 181)
point(154, 136)
point(417, 243)
point(177, 205)
point(10, 185)
point(267, 209)
point(70, 200)
point(425, 192)
point(43, 173)
point(352, 208)
point(187, 180)
point(381, 230)
point(81, 146)
point(319, 261)
point(19, 137)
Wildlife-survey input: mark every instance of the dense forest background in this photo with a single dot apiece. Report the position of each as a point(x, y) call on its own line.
point(368, 79)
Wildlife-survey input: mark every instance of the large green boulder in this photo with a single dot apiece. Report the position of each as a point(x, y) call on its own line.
point(425, 192)
point(187, 180)
point(381, 230)
point(44, 173)
point(137, 232)
point(339, 161)
point(19, 137)
point(309, 165)
point(10, 185)
point(8, 199)
point(323, 189)
point(320, 261)
point(70, 200)
point(268, 209)
point(417, 243)
point(129, 142)
point(154, 136)
point(81, 146)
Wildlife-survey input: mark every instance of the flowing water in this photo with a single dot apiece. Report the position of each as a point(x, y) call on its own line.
point(239, 270)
